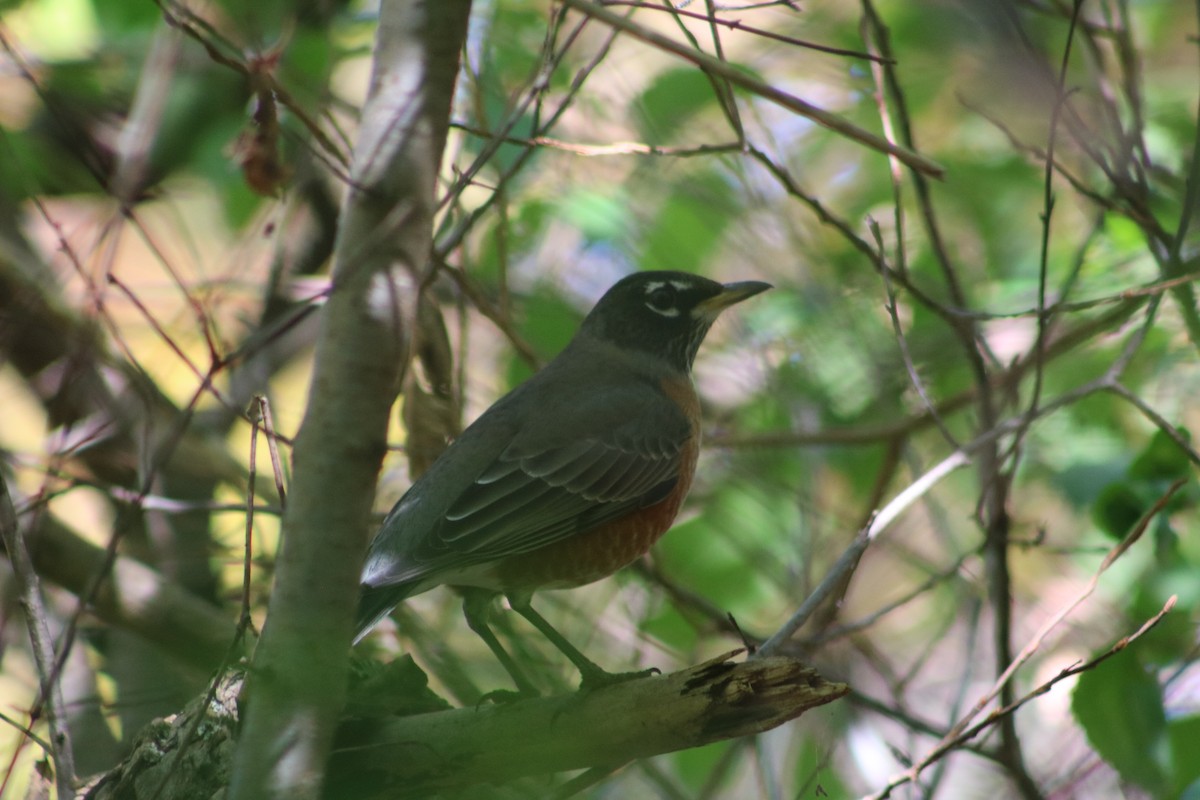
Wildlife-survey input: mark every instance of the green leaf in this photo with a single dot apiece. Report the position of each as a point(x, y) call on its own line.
point(1118, 508)
point(599, 215)
point(671, 101)
point(690, 224)
point(813, 770)
point(696, 764)
point(1082, 482)
point(695, 554)
point(1162, 458)
point(120, 19)
point(671, 628)
point(1184, 736)
point(523, 229)
point(1119, 705)
point(547, 322)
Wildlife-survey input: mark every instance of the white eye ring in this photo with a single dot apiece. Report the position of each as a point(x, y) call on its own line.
point(662, 301)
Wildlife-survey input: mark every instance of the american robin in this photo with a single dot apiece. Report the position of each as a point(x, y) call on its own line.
point(571, 476)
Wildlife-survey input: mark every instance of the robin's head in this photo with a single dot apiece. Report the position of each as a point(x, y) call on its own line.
point(665, 314)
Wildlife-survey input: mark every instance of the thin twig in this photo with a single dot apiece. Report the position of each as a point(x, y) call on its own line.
point(914, 376)
point(738, 25)
point(1159, 420)
point(599, 150)
point(870, 619)
point(1043, 318)
point(746, 81)
point(960, 730)
point(50, 699)
point(851, 555)
point(948, 746)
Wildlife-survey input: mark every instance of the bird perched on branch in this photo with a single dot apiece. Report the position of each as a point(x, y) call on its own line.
point(571, 476)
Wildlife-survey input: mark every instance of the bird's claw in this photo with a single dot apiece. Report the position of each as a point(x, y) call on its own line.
point(599, 678)
point(505, 696)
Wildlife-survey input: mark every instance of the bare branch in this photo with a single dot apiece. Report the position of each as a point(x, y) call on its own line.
point(716, 700)
point(298, 680)
point(28, 587)
point(746, 81)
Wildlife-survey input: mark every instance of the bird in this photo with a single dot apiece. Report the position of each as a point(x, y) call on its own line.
point(569, 477)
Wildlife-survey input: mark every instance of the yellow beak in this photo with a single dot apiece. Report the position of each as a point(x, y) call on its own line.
point(731, 293)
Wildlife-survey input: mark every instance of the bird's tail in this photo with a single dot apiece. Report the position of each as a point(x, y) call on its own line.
point(375, 603)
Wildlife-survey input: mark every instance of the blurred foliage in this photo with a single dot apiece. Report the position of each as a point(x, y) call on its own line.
point(577, 157)
point(1120, 706)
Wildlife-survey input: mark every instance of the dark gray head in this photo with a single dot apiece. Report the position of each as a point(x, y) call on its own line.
point(665, 314)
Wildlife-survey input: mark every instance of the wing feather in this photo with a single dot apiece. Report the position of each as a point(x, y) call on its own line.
point(553, 462)
point(555, 493)
point(516, 504)
point(514, 482)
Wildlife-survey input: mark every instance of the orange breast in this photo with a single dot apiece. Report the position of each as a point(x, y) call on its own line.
point(600, 552)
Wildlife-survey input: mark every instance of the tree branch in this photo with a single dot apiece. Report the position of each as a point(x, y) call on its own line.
point(132, 596)
point(420, 755)
point(297, 683)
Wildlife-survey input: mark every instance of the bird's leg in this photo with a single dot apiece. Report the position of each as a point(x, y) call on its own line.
point(476, 608)
point(594, 676)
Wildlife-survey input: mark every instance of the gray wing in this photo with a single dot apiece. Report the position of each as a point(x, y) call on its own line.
point(527, 500)
point(536, 487)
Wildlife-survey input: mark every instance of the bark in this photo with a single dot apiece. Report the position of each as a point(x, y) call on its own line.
point(297, 680)
point(430, 754)
point(133, 597)
point(183, 757)
point(399, 755)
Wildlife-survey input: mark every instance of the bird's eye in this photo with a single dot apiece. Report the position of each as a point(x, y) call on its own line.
point(662, 299)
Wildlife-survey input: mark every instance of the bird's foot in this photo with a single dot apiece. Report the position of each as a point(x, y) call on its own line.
point(598, 678)
point(502, 697)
